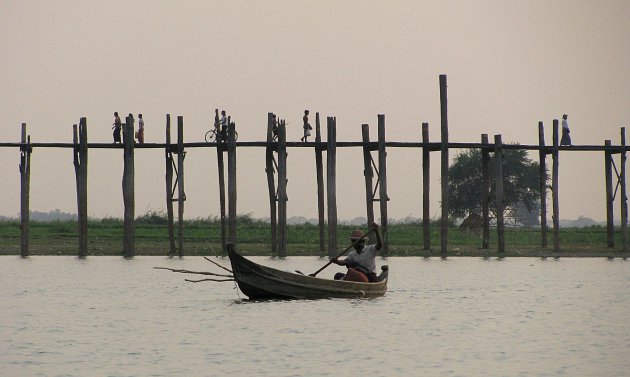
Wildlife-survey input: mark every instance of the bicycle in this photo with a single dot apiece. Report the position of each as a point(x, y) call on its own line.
point(211, 136)
point(216, 136)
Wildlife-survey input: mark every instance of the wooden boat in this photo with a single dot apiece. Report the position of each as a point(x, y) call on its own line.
point(261, 282)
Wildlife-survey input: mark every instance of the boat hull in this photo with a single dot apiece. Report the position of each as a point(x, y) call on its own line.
point(261, 282)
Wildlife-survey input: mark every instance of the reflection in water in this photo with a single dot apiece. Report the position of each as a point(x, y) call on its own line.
point(461, 316)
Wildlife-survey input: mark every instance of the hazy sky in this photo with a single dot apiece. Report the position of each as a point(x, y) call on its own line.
point(510, 64)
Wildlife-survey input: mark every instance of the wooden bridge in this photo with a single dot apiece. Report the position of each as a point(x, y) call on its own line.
point(375, 173)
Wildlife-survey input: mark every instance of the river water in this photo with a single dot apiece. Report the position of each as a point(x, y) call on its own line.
point(106, 316)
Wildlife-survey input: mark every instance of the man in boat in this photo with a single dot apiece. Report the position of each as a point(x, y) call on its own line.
point(361, 261)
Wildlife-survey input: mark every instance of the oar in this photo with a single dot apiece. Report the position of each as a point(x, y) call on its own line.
point(342, 253)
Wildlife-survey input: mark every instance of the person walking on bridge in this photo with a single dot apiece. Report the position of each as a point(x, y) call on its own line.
point(140, 132)
point(566, 138)
point(117, 127)
point(307, 127)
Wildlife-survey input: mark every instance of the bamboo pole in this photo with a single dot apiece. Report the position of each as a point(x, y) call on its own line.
point(232, 235)
point(426, 177)
point(624, 197)
point(499, 194)
point(331, 186)
point(271, 184)
point(368, 173)
point(320, 186)
point(181, 193)
point(542, 155)
point(485, 193)
point(444, 166)
point(554, 189)
point(168, 154)
point(610, 226)
point(382, 174)
point(25, 183)
point(128, 188)
point(282, 190)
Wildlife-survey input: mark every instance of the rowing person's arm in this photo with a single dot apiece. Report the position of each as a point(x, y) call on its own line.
point(379, 240)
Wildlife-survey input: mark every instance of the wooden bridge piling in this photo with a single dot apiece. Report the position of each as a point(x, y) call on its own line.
point(485, 193)
point(382, 177)
point(168, 154)
point(610, 226)
point(25, 187)
point(76, 162)
point(271, 183)
point(368, 174)
point(624, 197)
point(499, 193)
point(542, 179)
point(282, 190)
point(331, 185)
point(222, 207)
point(444, 166)
point(426, 180)
point(232, 197)
point(320, 186)
point(128, 188)
point(181, 193)
point(81, 172)
point(555, 181)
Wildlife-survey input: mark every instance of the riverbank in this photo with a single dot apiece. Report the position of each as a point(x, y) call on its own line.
point(152, 248)
point(202, 237)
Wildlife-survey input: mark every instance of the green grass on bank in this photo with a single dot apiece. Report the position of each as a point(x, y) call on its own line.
point(203, 237)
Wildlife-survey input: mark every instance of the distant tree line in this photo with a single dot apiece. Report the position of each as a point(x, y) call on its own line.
point(520, 184)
